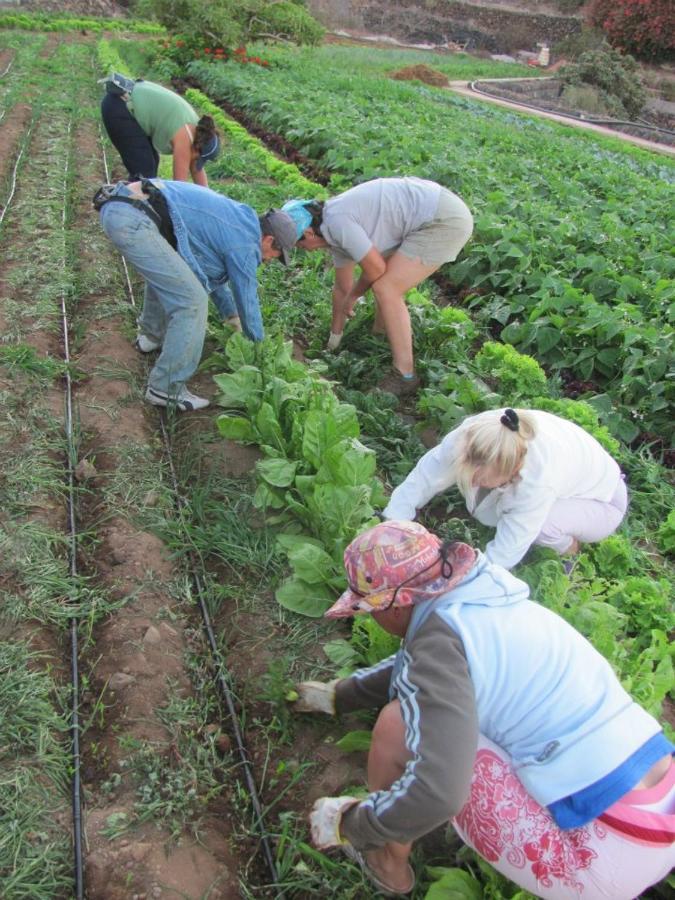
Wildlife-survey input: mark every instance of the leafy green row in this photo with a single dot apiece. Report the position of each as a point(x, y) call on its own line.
point(575, 259)
point(62, 22)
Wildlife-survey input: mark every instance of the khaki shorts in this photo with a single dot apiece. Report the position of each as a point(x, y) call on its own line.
point(440, 240)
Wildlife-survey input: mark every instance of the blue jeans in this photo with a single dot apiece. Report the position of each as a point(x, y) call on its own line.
point(175, 304)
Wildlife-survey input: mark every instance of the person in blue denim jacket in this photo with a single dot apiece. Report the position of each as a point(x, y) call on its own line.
point(189, 242)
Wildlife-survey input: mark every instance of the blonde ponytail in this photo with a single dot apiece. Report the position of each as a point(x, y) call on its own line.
point(496, 441)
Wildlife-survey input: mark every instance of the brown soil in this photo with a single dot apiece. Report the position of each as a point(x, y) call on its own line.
point(421, 73)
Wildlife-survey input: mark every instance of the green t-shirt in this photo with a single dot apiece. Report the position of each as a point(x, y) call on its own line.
point(160, 113)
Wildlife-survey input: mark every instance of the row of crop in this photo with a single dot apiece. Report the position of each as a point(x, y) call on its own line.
point(48, 22)
point(570, 251)
point(39, 595)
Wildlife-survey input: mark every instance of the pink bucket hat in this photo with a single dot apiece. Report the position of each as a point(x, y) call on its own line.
point(399, 564)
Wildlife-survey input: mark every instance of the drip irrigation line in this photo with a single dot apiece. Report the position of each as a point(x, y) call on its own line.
point(569, 115)
point(223, 677)
point(76, 793)
point(17, 161)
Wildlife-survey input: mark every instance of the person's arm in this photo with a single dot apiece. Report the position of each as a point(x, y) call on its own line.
point(181, 148)
point(242, 270)
point(198, 175)
point(224, 301)
point(344, 278)
point(432, 475)
point(439, 710)
point(373, 266)
point(365, 688)
point(519, 526)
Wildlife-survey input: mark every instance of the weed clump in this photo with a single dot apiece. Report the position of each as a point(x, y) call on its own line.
point(422, 73)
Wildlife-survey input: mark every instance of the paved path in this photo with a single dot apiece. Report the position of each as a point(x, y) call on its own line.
point(462, 87)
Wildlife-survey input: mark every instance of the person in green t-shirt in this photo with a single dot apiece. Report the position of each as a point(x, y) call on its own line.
point(148, 120)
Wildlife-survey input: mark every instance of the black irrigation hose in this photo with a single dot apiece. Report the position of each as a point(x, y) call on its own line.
point(569, 115)
point(222, 673)
point(223, 678)
point(72, 534)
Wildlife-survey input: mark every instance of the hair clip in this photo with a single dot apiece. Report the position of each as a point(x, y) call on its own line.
point(510, 419)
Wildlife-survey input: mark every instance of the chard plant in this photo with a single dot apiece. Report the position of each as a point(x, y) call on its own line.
point(317, 480)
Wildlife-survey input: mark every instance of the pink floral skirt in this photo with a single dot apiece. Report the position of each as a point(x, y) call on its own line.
point(618, 855)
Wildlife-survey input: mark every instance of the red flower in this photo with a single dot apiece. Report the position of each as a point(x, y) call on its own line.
point(207, 49)
point(180, 43)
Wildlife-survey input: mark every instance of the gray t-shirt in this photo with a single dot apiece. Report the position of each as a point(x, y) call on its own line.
point(379, 213)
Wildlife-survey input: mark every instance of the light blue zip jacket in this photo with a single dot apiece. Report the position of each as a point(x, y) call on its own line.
point(484, 657)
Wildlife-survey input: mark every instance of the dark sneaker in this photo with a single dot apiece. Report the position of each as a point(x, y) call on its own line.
point(397, 384)
point(184, 400)
point(146, 344)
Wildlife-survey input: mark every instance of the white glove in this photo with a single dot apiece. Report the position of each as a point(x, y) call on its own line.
point(316, 696)
point(350, 312)
point(325, 818)
point(334, 341)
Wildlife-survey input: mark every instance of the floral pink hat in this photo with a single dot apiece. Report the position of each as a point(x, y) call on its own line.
point(399, 564)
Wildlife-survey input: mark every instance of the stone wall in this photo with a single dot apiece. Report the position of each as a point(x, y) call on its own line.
point(492, 28)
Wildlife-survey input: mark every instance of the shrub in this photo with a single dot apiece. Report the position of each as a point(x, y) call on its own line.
point(643, 27)
point(227, 24)
point(613, 75)
point(287, 20)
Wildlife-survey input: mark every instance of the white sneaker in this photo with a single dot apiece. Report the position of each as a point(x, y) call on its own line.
point(184, 400)
point(146, 344)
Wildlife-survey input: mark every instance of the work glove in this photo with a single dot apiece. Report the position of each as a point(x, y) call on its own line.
point(349, 311)
point(334, 341)
point(315, 696)
point(325, 818)
point(233, 322)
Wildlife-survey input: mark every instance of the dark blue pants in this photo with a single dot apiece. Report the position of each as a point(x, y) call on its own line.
point(131, 142)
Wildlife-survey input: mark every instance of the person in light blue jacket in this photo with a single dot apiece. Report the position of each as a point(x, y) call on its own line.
point(187, 242)
point(497, 715)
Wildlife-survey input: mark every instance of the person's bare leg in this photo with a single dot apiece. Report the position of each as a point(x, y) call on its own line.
point(402, 274)
point(378, 323)
point(386, 762)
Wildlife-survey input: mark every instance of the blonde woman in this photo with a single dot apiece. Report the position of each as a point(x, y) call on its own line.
point(537, 478)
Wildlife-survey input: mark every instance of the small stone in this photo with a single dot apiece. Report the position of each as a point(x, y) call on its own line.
point(140, 851)
point(156, 891)
point(152, 636)
point(120, 680)
point(223, 743)
point(168, 629)
point(118, 556)
point(84, 470)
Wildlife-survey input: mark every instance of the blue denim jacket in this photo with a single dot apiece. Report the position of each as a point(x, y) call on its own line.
point(219, 239)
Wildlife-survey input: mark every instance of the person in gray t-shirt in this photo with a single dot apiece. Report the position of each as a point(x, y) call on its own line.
point(399, 231)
